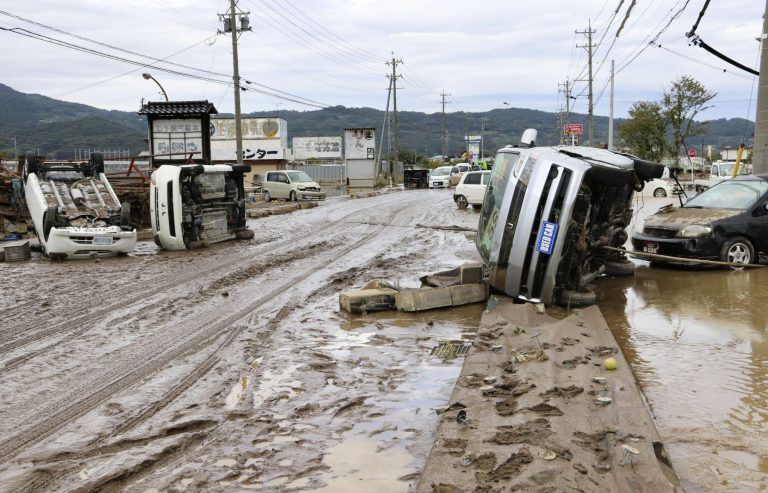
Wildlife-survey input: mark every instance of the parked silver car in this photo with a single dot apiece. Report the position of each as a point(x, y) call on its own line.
point(547, 212)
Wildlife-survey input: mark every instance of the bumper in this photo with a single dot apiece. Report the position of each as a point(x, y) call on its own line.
point(705, 248)
point(305, 195)
point(89, 242)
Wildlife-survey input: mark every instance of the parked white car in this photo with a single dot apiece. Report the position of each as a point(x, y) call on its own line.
point(658, 187)
point(290, 185)
point(440, 177)
point(471, 189)
point(75, 210)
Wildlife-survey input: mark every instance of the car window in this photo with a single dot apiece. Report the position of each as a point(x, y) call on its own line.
point(454, 170)
point(440, 171)
point(500, 175)
point(273, 176)
point(730, 194)
point(472, 179)
point(299, 177)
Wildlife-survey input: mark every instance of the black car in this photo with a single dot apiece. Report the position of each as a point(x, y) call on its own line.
point(728, 222)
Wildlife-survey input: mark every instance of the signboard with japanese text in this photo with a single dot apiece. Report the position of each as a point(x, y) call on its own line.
point(317, 148)
point(177, 136)
point(251, 128)
point(253, 150)
point(573, 129)
point(359, 143)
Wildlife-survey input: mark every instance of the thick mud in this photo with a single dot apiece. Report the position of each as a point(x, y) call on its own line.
point(232, 368)
point(697, 340)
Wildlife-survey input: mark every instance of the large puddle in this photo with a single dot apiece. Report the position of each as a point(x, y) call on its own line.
point(696, 340)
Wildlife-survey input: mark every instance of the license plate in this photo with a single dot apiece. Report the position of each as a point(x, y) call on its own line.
point(102, 240)
point(437, 184)
point(649, 247)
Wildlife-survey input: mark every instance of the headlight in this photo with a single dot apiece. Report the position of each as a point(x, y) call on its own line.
point(694, 231)
point(301, 187)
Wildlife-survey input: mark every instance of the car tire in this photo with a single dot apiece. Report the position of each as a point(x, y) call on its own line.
point(660, 192)
point(31, 163)
point(292, 196)
point(125, 215)
point(461, 201)
point(244, 234)
point(576, 299)
point(738, 250)
point(267, 196)
point(49, 220)
point(619, 268)
point(477, 206)
point(97, 160)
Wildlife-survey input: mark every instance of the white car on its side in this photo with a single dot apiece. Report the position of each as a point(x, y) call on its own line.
point(440, 177)
point(471, 189)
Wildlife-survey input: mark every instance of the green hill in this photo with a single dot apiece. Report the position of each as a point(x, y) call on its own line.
point(56, 128)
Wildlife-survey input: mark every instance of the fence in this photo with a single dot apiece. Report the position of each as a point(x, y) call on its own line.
point(323, 174)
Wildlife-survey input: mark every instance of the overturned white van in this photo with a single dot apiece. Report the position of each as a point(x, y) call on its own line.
point(193, 206)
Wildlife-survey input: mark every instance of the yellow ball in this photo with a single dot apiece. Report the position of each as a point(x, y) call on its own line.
point(609, 363)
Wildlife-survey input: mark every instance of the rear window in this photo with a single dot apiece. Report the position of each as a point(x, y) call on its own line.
point(472, 179)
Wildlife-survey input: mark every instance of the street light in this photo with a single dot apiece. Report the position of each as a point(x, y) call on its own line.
point(148, 76)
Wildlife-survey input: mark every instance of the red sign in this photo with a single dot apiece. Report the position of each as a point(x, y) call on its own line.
point(573, 129)
point(691, 152)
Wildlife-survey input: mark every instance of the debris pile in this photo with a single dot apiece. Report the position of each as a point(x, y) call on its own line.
point(13, 210)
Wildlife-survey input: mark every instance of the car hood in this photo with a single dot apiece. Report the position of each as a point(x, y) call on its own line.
point(675, 218)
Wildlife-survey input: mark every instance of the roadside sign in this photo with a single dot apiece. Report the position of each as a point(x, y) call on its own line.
point(691, 152)
point(573, 129)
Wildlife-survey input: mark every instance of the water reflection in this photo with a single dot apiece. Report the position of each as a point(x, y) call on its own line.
point(697, 343)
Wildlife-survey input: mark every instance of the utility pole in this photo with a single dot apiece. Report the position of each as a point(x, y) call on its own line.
point(383, 126)
point(394, 77)
point(610, 116)
point(482, 134)
point(565, 119)
point(442, 126)
point(760, 153)
point(589, 46)
point(230, 26)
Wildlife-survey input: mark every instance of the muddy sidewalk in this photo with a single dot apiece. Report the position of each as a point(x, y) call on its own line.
point(534, 409)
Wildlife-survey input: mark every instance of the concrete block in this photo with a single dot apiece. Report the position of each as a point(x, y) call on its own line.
point(464, 294)
point(307, 205)
point(367, 300)
point(283, 209)
point(470, 273)
point(257, 213)
point(415, 300)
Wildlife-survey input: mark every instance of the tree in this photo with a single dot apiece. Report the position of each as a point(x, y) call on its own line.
point(644, 131)
point(686, 98)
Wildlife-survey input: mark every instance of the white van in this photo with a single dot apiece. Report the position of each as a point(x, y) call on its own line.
point(195, 205)
point(290, 185)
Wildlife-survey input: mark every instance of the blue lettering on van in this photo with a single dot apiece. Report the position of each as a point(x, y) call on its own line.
point(547, 234)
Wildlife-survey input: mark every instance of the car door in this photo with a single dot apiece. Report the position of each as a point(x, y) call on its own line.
point(276, 185)
point(759, 225)
point(472, 183)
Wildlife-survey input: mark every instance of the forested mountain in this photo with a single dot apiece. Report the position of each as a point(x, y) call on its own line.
point(56, 128)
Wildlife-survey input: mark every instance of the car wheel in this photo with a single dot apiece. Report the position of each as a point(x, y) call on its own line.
point(619, 268)
point(267, 196)
point(30, 165)
point(292, 196)
point(125, 215)
point(461, 201)
point(737, 250)
point(49, 219)
point(476, 206)
point(97, 159)
point(659, 192)
point(576, 299)
point(244, 234)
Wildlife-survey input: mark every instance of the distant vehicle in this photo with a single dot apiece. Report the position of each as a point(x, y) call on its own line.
point(196, 205)
point(728, 222)
point(290, 185)
point(457, 171)
point(548, 211)
point(659, 187)
point(718, 172)
point(440, 177)
point(471, 189)
point(75, 210)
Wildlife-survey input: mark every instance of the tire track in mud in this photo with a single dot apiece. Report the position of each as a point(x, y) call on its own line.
point(137, 294)
point(147, 357)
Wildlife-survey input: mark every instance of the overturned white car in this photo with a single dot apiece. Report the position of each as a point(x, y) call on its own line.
point(195, 205)
point(75, 210)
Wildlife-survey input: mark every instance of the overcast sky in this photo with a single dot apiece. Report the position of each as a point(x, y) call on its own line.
point(484, 53)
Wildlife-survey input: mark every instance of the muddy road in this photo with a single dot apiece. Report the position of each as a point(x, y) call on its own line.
point(231, 368)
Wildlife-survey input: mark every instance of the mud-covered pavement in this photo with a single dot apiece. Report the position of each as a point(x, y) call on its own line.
point(231, 368)
point(697, 340)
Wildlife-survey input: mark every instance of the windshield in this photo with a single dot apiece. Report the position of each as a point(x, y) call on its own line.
point(727, 169)
point(441, 171)
point(500, 178)
point(299, 177)
point(730, 194)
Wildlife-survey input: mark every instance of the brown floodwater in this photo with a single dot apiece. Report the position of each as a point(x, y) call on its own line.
point(697, 341)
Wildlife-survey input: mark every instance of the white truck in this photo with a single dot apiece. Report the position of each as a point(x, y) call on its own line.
point(75, 210)
point(195, 205)
point(719, 171)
